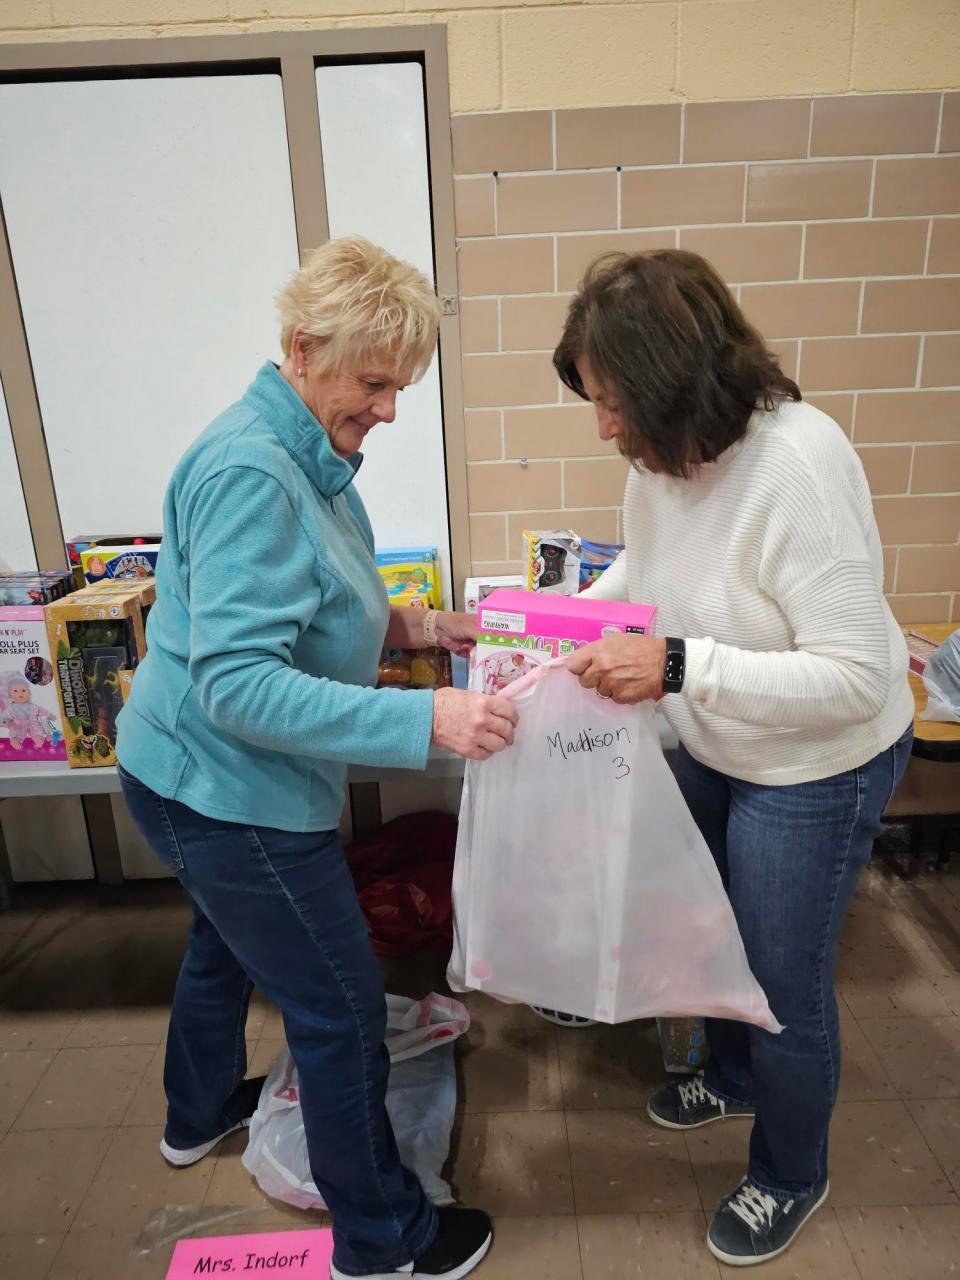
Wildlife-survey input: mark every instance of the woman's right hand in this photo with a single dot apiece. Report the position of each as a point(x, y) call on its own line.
point(474, 725)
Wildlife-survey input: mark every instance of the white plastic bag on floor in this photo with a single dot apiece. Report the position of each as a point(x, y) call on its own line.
point(581, 881)
point(421, 1100)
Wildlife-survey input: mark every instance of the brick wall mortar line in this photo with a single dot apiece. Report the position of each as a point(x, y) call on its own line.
point(803, 252)
point(785, 161)
point(713, 226)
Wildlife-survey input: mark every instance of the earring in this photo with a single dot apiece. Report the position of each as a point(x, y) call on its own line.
point(299, 371)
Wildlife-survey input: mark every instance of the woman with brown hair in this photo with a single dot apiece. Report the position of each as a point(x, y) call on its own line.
point(748, 522)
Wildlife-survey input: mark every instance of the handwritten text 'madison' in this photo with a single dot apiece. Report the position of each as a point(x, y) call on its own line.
point(587, 740)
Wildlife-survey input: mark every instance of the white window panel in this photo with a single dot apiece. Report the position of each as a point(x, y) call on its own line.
point(151, 224)
point(373, 130)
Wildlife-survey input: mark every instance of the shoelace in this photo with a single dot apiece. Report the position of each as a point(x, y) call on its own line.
point(755, 1207)
point(695, 1095)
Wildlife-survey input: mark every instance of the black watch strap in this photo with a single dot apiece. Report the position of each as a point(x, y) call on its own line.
point(674, 668)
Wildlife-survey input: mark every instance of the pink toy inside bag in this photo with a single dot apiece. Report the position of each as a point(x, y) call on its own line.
point(30, 724)
point(581, 880)
point(521, 630)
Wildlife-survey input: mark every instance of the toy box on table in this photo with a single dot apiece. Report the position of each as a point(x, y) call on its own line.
point(97, 641)
point(476, 590)
point(553, 561)
point(30, 724)
point(84, 541)
point(145, 588)
point(133, 561)
point(19, 590)
point(596, 558)
point(519, 630)
point(411, 576)
point(414, 669)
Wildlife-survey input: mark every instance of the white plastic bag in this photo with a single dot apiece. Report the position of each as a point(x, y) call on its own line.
point(421, 1100)
point(942, 679)
point(581, 881)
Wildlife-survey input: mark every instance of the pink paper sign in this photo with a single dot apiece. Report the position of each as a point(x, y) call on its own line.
point(305, 1255)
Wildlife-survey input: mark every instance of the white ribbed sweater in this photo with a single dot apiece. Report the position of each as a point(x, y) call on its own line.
point(768, 563)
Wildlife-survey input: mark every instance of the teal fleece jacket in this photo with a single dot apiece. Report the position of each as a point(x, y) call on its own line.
point(257, 690)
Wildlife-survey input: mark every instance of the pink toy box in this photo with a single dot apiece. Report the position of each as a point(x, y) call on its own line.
point(30, 724)
point(518, 630)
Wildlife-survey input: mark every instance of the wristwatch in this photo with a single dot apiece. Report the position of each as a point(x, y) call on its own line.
point(674, 668)
point(430, 627)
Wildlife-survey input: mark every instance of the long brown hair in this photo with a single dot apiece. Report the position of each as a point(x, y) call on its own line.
point(664, 332)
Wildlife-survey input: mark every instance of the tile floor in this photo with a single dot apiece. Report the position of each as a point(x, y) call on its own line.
point(552, 1137)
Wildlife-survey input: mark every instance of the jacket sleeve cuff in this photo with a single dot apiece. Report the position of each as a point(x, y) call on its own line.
point(421, 728)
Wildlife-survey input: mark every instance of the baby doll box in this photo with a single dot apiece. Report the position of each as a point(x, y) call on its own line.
point(519, 630)
point(30, 723)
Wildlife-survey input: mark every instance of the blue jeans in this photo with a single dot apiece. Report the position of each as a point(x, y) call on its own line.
point(279, 910)
point(790, 858)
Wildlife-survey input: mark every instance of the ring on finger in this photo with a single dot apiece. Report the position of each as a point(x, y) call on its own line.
point(604, 695)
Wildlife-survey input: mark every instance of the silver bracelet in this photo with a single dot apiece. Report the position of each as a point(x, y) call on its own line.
point(430, 627)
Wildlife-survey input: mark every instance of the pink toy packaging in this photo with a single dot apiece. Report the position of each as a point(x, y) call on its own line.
point(519, 630)
point(30, 725)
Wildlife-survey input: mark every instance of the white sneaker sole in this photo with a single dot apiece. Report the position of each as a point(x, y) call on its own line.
point(457, 1273)
point(190, 1155)
point(732, 1261)
point(572, 1021)
point(668, 1124)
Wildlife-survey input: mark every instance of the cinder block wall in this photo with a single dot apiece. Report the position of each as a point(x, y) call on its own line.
point(811, 148)
point(835, 221)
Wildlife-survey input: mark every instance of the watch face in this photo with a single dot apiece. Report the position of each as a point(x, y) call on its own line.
point(673, 667)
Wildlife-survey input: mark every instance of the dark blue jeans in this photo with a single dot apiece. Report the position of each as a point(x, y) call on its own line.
point(278, 910)
point(790, 858)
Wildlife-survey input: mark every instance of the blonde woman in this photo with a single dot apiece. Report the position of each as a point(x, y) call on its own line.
point(256, 695)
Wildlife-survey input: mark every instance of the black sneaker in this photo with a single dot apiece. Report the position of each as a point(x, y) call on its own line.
point(690, 1105)
point(751, 1227)
point(463, 1238)
point(243, 1104)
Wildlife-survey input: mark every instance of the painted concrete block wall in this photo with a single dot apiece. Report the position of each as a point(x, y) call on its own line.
point(835, 219)
point(558, 53)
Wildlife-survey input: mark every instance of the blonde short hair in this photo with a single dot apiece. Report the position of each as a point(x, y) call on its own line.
point(357, 302)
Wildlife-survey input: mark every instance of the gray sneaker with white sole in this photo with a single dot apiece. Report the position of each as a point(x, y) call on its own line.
point(751, 1226)
point(689, 1104)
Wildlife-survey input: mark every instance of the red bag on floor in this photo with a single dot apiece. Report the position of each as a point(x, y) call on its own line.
point(403, 877)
